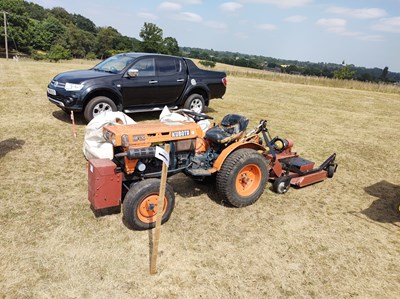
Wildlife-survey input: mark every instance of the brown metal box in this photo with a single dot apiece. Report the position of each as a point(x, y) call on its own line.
point(105, 184)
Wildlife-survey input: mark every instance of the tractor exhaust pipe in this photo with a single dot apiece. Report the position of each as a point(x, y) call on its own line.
point(138, 153)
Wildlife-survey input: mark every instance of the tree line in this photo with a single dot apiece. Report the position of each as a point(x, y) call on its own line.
point(56, 34)
point(305, 68)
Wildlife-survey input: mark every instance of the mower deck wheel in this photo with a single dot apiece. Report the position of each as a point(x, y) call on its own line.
point(140, 206)
point(331, 171)
point(281, 185)
point(242, 177)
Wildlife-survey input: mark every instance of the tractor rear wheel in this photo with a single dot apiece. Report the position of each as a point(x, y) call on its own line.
point(140, 206)
point(242, 177)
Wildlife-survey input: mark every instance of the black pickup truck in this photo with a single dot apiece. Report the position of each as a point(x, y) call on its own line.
point(136, 82)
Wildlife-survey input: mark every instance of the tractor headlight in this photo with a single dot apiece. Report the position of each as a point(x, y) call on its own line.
point(110, 137)
point(73, 87)
point(125, 140)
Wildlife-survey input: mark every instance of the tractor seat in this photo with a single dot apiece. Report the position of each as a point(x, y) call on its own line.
point(231, 128)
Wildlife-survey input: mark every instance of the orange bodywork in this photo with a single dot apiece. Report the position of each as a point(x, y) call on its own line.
point(150, 134)
point(234, 146)
point(143, 135)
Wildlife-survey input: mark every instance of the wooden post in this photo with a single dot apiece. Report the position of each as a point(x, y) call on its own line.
point(160, 206)
point(5, 34)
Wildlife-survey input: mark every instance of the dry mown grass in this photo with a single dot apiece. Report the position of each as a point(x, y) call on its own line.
point(335, 239)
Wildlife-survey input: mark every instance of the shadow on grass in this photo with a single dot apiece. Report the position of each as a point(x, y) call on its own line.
point(65, 116)
point(9, 145)
point(385, 208)
point(188, 187)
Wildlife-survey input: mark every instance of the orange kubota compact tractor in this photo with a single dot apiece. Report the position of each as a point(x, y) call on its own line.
point(241, 163)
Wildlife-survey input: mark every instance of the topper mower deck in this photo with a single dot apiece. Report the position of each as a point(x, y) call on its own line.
point(241, 163)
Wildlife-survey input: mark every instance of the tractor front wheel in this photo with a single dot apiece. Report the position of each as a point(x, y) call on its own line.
point(140, 206)
point(242, 177)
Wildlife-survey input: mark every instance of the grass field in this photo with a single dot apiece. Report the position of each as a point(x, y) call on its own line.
point(335, 239)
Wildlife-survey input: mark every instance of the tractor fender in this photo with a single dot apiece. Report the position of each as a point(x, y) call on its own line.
point(230, 149)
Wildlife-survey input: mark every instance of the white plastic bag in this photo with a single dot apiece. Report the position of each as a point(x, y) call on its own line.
point(94, 144)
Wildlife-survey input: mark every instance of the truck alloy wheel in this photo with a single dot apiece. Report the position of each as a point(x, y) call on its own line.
point(242, 177)
point(140, 206)
point(97, 106)
point(195, 102)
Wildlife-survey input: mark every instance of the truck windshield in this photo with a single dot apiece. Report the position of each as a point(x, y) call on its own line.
point(114, 64)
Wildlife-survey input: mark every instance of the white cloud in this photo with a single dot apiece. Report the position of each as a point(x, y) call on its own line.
point(372, 38)
point(388, 25)
point(190, 1)
point(170, 6)
point(363, 13)
point(338, 26)
point(147, 16)
point(268, 27)
point(295, 19)
point(216, 25)
point(331, 23)
point(189, 17)
point(280, 3)
point(230, 7)
point(241, 35)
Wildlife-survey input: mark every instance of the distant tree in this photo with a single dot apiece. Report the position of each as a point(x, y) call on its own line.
point(106, 40)
point(171, 46)
point(45, 33)
point(152, 37)
point(84, 23)
point(345, 73)
point(78, 41)
point(62, 15)
point(385, 73)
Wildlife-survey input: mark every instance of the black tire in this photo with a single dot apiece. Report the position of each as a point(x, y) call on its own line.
point(98, 105)
point(140, 202)
point(331, 171)
point(281, 185)
point(242, 177)
point(195, 102)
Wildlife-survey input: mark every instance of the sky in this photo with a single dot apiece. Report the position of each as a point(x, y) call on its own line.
point(365, 33)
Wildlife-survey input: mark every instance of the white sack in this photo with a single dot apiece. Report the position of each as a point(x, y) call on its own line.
point(94, 145)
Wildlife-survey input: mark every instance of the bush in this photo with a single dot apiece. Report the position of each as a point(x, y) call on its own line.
point(91, 56)
point(38, 55)
point(58, 52)
point(207, 63)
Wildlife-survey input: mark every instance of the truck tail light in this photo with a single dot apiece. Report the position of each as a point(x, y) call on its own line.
point(224, 81)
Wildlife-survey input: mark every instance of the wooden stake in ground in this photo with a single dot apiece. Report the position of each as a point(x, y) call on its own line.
point(163, 155)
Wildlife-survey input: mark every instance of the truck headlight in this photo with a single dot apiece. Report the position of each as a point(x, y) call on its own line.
point(73, 87)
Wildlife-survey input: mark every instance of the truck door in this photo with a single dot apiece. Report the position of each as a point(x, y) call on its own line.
point(142, 89)
point(172, 77)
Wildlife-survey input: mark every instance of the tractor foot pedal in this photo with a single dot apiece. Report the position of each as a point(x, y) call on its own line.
point(297, 164)
point(198, 172)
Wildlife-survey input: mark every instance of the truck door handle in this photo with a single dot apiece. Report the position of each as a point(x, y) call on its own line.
point(180, 80)
point(153, 82)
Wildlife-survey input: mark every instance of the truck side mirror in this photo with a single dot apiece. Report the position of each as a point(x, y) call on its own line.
point(133, 73)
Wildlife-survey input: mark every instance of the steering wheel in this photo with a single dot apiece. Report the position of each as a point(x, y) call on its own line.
point(195, 115)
